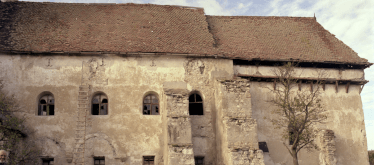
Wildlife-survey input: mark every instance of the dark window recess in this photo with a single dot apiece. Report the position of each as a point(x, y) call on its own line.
point(195, 105)
point(199, 160)
point(99, 105)
point(95, 109)
point(150, 105)
point(46, 106)
point(148, 160)
point(263, 146)
point(291, 137)
point(99, 160)
point(301, 64)
point(47, 161)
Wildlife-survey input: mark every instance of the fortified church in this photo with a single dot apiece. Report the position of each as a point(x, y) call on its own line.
point(140, 84)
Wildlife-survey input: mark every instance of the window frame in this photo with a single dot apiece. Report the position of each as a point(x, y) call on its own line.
point(199, 157)
point(195, 102)
point(263, 146)
point(149, 157)
point(49, 103)
point(102, 96)
point(48, 160)
point(151, 104)
point(99, 158)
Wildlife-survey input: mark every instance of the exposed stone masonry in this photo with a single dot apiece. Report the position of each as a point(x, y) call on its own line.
point(177, 102)
point(327, 146)
point(93, 72)
point(181, 154)
point(80, 130)
point(180, 149)
point(247, 157)
point(196, 72)
point(241, 128)
point(239, 90)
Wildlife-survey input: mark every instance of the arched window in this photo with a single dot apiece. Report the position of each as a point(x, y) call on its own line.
point(150, 105)
point(195, 104)
point(46, 105)
point(100, 104)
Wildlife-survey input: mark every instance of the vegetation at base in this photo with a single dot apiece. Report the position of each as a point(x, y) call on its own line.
point(14, 136)
point(371, 157)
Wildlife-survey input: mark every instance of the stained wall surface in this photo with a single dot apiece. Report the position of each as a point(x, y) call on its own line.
point(344, 111)
point(125, 135)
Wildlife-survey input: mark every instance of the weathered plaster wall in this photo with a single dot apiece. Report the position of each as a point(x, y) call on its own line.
point(125, 134)
point(345, 117)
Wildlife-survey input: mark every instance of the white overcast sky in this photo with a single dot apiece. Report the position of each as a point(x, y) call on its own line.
point(350, 20)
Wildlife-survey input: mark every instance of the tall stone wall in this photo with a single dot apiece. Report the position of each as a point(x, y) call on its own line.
point(124, 135)
point(236, 115)
point(344, 115)
point(239, 128)
point(180, 149)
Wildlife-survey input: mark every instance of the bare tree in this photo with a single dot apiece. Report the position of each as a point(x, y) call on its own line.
point(14, 135)
point(298, 110)
point(371, 157)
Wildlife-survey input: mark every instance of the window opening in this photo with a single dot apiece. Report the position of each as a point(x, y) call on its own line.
point(150, 105)
point(99, 105)
point(199, 160)
point(195, 105)
point(46, 105)
point(47, 161)
point(263, 146)
point(99, 160)
point(148, 160)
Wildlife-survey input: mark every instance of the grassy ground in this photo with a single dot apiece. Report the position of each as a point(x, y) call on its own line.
point(371, 157)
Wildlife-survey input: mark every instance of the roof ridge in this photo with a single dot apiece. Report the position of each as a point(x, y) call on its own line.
point(119, 4)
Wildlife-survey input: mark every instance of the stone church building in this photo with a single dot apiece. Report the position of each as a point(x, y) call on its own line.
point(140, 84)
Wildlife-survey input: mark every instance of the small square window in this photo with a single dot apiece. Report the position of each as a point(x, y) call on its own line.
point(199, 160)
point(263, 146)
point(148, 160)
point(99, 160)
point(47, 161)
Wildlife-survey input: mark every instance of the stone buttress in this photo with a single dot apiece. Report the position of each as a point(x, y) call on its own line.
point(179, 138)
point(239, 128)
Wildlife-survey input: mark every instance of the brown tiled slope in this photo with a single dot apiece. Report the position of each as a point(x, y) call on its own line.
point(46, 27)
point(278, 38)
point(98, 27)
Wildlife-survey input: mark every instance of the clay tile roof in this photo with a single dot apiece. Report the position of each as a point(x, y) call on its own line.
point(279, 38)
point(45, 27)
point(67, 27)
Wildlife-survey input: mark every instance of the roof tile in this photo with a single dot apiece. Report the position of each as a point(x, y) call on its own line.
point(67, 27)
point(278, 38)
